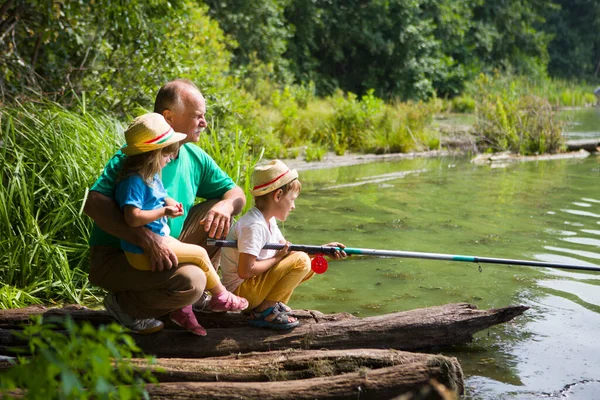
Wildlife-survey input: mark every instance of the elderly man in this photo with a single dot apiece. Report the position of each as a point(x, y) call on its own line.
point(137, 297)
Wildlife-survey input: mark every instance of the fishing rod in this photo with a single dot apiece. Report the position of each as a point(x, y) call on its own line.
point(404, 254)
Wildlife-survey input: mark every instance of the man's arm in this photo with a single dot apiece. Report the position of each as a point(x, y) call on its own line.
point(218, 219)
point(104, 211)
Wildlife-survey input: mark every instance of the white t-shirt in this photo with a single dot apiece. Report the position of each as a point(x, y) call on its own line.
point(251, 232)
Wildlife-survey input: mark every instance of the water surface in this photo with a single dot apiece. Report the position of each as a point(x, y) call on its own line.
point(546, 211)
point(583, 123)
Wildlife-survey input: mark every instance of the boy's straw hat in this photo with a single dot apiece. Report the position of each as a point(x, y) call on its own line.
point(274, 175)
point(149, 132)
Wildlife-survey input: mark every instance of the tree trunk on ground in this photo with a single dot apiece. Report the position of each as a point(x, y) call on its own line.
point(297, 364)
point(418, 329)
point(410, 330)
point(383, 383)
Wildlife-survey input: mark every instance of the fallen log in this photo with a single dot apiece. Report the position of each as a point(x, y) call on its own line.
point(382, 383)
point(418, 329)
point(13, 318)
point(295, 364)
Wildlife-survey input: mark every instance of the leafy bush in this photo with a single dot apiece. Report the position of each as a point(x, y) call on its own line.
point(522, 124)
point(463, 104)
point(81, 363)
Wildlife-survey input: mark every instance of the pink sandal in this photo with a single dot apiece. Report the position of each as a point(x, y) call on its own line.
point(185, 318)
point(227, 301)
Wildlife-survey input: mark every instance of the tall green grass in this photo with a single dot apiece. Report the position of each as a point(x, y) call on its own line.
point(232, 152)
point(50, 155)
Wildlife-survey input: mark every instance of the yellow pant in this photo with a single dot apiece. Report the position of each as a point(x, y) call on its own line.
point(186, 253)
point(278, 283)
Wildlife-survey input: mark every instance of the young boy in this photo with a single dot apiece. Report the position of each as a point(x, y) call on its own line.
point(267, 278)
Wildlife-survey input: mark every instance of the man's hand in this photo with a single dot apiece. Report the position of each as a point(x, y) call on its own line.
point(218, 220)
point(161, 256)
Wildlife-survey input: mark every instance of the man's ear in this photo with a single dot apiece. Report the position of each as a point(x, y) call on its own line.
point(168, 116)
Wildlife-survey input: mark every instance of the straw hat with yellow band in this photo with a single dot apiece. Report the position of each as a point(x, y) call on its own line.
point(267, 178)
point(149, 132)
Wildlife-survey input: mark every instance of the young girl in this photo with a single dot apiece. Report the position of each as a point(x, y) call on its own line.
point(267, 278)
point(151, 144)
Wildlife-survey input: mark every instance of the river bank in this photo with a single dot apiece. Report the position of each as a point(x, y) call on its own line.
point(455, 147)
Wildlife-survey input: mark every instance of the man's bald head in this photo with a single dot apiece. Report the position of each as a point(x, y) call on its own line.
point(170, 96)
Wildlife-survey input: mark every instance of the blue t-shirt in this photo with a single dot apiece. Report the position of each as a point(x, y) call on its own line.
point(133, 191)
point(194, 174)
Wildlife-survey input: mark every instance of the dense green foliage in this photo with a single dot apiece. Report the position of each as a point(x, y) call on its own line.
point(411, 48)
point(575, 46)
point(119, 53)
point(83, 363)
point(508, 120)
point(407, 49)
point(260, 30)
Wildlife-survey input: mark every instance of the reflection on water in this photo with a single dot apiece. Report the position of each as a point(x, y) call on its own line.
point(582, 123)
point(547, 211)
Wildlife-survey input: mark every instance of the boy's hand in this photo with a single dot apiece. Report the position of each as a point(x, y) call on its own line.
point(337, 254)
point(173, 211)
point(284, 251)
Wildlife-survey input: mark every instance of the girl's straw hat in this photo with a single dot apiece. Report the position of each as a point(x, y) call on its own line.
point(274, 175)
point(149, 132)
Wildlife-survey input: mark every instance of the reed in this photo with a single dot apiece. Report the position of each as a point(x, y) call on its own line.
point(50, 155)
point(523, 124)
point(233, 153)
point(559, 93)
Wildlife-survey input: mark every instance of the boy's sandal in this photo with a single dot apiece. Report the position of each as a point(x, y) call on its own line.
point(279, 321)
point(283, 308)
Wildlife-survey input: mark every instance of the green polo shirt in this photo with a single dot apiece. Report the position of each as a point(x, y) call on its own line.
point(194, 174)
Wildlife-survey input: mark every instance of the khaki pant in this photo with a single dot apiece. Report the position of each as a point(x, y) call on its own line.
point(147, 294)
point(186, 253)
point(278, 283)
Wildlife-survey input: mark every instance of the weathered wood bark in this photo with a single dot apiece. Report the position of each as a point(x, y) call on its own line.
point(418, 329)
point(410, 330)
point(296, 364)
point(382, 383)
point(10, 319)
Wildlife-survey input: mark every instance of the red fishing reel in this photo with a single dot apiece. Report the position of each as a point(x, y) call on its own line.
point(319, 264)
